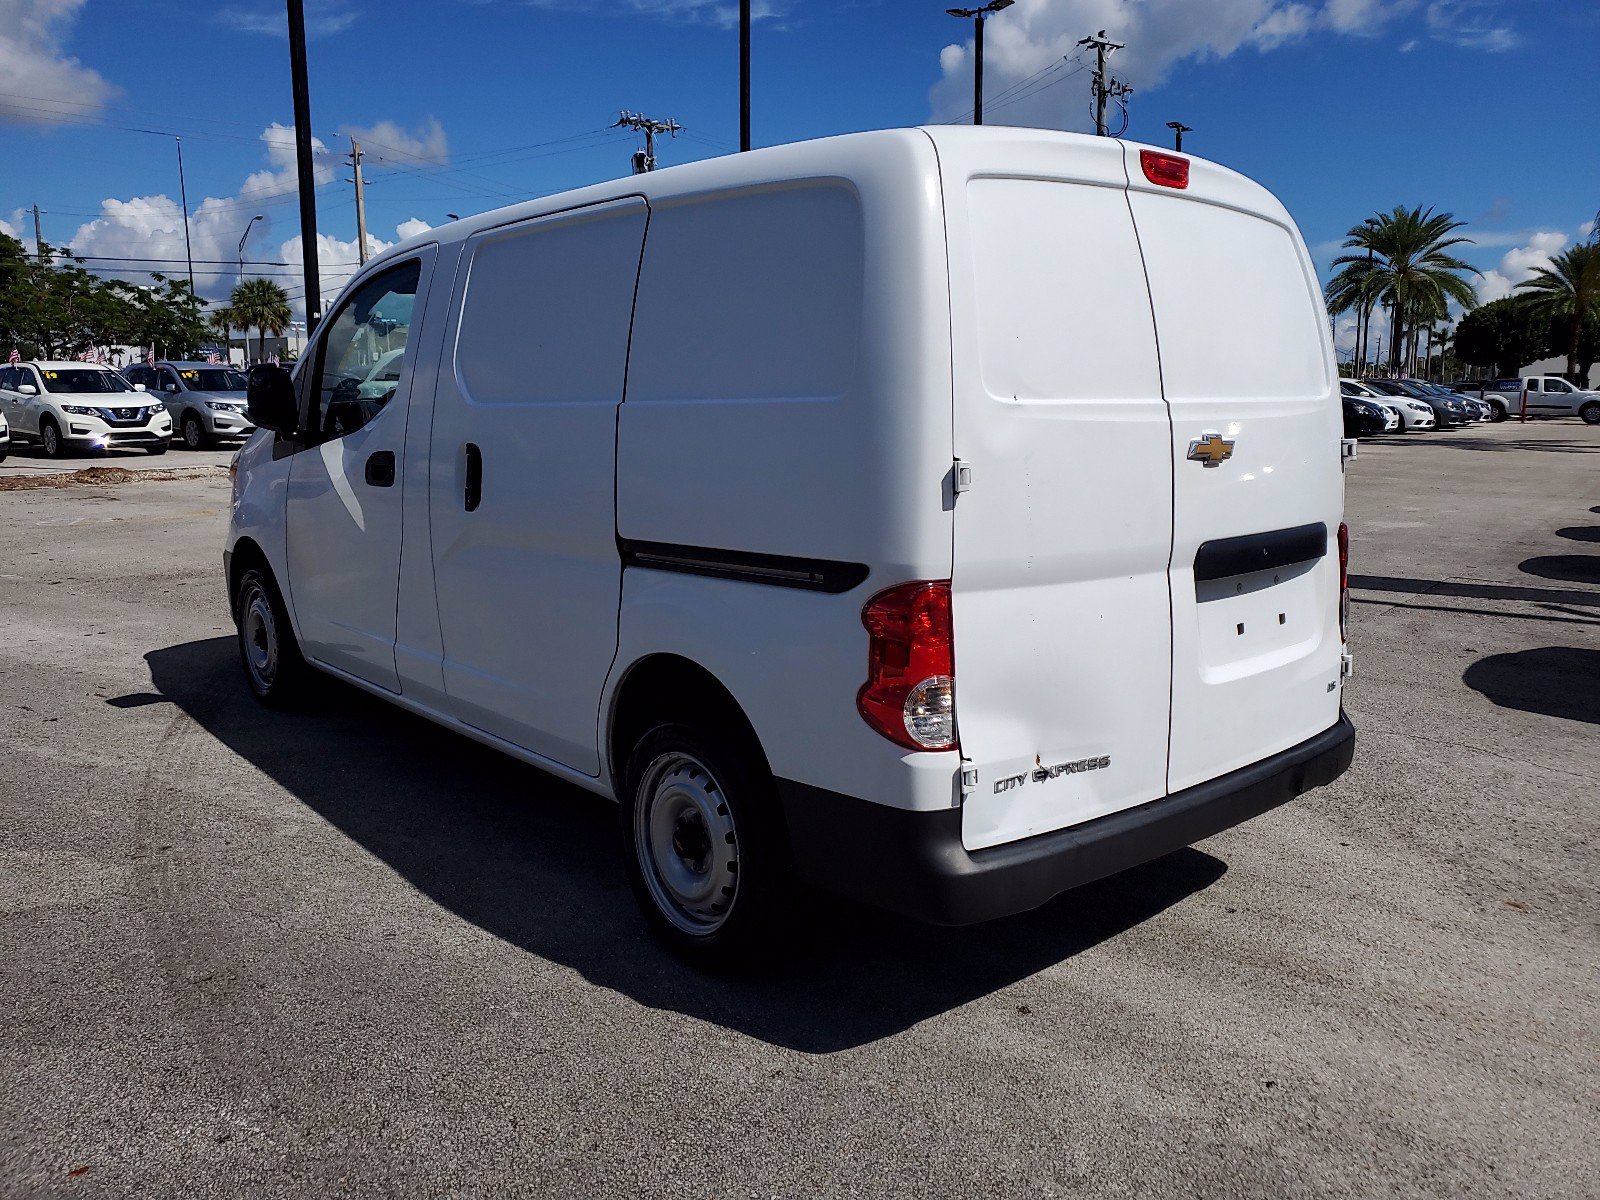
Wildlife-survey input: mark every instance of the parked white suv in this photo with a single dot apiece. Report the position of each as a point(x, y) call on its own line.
point(837, 510)
point(78, 406)
point(205, 400)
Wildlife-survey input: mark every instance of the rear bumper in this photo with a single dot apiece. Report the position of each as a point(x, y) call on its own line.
point(914, 862)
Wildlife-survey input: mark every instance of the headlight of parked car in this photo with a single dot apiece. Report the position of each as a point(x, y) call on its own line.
point(222, 406)
point(79, 410)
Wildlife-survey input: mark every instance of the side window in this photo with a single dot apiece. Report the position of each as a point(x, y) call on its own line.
point(359, 362)
point(1533, 385)
point(8, 377)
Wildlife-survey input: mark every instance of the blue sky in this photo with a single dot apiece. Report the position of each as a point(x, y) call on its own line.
point(1481, 107)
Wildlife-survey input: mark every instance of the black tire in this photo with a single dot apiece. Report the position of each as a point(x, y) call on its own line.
point(1590, 413)
point(274, 668)
point(708, 800)
point(158, 448)
point(50, 439)
point(193, 431)
point(1500, 413)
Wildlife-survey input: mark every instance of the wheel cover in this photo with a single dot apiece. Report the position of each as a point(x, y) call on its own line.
point(258, 634)
point(686, 843)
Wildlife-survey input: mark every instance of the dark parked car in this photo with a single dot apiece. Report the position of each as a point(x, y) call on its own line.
point(1363, 418)
point(1446, 412)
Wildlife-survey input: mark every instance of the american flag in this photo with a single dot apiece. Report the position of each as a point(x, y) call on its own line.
point(13, 358)
point(150, 357)
point(213, 358)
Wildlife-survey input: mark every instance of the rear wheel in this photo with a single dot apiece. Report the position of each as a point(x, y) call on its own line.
point(50, 439)
point(1500, 413)
point(1590, 413)
point(703, 843)
point(273, 665)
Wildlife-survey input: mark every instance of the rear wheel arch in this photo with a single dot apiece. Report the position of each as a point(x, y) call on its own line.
point(670, 688)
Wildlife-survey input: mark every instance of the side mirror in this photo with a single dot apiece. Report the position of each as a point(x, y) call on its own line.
point(170, 387)
point(138, 387)
point(27, 389)
point(269, 399)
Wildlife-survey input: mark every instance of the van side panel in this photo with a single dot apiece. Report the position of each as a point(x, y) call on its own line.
point(528, 580)
point(1060, 585)
point(1245, 355)
point(788, 396)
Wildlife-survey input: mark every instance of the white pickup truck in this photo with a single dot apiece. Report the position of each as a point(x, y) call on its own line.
point(1546, 396)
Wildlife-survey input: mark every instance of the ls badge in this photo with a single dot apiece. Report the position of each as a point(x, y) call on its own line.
point(1212, 449)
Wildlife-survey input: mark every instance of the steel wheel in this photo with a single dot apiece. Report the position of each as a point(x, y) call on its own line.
point(686, 843)
point(258, 636)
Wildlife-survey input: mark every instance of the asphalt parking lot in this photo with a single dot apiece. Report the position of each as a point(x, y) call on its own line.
point(26, 461)
point(343, 951)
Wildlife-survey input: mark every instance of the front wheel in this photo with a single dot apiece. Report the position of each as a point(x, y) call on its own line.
point(703, 843)
point(51, 441)
point(273, 665)
point(194, 433)
point(1590, 413)
point(158, 448)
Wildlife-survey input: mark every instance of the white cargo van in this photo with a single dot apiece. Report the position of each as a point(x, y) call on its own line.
point(945, 518)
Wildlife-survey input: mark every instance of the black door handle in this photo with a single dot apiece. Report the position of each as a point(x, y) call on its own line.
point(380, 468)
point(474, 493)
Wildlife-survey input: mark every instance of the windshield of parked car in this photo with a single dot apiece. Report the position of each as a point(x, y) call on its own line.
point(213, 379)
point(1386, 387)
point(84, 380)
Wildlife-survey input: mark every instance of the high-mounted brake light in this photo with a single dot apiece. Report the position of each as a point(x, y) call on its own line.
point(1166, 170)
point(1344, 582)
point(910, 693)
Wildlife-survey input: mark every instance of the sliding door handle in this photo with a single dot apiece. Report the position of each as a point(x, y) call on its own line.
point(474, 491)
point(380, 468)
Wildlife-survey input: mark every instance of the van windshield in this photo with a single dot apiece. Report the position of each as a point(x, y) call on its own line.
point(84, 380)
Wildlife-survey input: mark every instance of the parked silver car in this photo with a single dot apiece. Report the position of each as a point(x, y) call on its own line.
point(206, 400)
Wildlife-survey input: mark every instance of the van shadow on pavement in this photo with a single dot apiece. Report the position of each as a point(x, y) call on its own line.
point(1570, 568)
point(533, 861)
point(1580, 533)
point(1556, 681)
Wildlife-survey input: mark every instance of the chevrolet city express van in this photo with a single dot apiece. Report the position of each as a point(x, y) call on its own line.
point(946, 517)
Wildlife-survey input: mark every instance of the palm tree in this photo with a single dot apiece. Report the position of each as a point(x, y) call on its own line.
point(263, 304)
point(1402, 264)
point(224, 320)
point(1568, 287)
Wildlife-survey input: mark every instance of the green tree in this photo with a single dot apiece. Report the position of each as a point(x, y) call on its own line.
point(264, 305)
point(1568, 288)
point(1408, 271)
point(1504, 335)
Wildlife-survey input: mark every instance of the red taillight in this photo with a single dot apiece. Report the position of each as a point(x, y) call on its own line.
point(909, 696)
point(1168, 170)
point(1344, 582)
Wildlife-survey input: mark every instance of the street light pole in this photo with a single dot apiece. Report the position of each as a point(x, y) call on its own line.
point(242, 237)
point(744, 75)
point(978, 16)
point(183, 193)
point(1178, 130)
point(302, 158)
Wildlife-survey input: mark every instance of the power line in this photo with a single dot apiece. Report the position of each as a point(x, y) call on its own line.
point(1104, 87)
point(645, 160)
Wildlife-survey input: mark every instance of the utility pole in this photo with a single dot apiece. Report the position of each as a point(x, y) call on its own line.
point(744, 75)
point(1103, 87)
point(183, 192)
point(361, 202)
point(302, 158)
point(1178, 130)
point(645, 160)
point(38, 236)
point(978, 16)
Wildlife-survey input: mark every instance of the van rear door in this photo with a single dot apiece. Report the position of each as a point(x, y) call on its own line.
point(1059, 586)
point(1258, 489)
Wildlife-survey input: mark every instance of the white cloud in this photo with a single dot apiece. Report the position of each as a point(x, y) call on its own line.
point(323, 17)
point(1518, 264)
point(1471, 25)
point(150, 228)
point(415, 227)
point(44, 86)
point(1025, 45)
point(720, 13)
point(10, 230)
point(388, 141)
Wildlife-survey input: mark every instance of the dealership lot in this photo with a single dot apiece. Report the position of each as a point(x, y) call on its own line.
point(345, 950)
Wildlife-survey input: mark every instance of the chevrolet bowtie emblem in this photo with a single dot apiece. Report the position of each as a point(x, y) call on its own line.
point(1212, 449)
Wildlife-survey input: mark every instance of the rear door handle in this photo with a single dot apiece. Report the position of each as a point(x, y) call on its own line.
point(380, 468)
point(474, 490)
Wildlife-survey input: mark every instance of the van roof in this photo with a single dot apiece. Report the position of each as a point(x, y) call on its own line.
point(858, 158)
